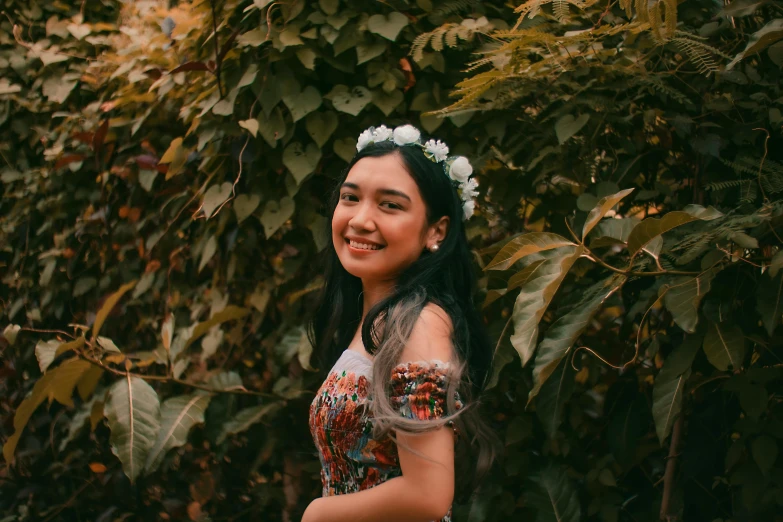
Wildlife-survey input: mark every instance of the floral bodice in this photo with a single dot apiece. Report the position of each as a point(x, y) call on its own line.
point(341, 422)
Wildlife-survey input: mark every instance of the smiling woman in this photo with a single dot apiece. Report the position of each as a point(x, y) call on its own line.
point(371, 214)
point(396, 422)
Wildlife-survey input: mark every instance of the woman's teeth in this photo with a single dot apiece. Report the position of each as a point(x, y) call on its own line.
point(364, 246)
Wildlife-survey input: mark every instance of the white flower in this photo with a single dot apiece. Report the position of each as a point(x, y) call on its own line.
point(468, 208)
point(382, 133)
point(460, 169)
point(406, 134)
point(365, 138)
point(437, 149)
point(469, 189)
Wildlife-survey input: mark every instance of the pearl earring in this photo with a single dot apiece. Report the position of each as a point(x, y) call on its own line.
point(434, 248)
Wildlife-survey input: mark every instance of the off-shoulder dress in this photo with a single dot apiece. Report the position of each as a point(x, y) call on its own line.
point(341, 422)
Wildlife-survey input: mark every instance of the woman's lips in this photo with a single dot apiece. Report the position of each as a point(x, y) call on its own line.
point(361, 250)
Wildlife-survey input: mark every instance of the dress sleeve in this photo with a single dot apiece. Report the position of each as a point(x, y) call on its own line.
point(419, 390)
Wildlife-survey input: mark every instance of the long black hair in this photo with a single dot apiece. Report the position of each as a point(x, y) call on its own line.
point(446, 278)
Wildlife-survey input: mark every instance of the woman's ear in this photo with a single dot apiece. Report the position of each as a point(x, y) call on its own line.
point(438, 230)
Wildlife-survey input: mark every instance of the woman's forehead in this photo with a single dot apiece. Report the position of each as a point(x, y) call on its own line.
point(383, 172)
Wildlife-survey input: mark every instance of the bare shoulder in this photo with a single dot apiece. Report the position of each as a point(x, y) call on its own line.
point(431, 336)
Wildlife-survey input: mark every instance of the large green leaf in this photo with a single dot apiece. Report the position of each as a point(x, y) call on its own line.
point(651, 228)
point(563, 333)
point(246, 418)
point(133, 411)
point(525, 275)
point(600, 210)
point(388, 26)
point(301, 161)
point(611, 232)
point(80, 418)
point(107, 307)
point(525, 245)
point(178, 415)
point(769, 300)
point(553, 395)
point(669, 385)
point(567, 126)
point(683, 296)
point(57, 384)
point(321, 125)
point(350, 101)
point(724, 346)
point(560, 500)
point(534, 298)
point(760, 40)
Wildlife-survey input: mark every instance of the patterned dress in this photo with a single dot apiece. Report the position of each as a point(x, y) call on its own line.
point(341, 422)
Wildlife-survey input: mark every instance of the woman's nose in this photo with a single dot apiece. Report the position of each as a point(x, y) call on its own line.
point(362, 218)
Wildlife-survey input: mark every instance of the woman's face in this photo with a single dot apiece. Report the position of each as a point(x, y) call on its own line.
point(379, 226)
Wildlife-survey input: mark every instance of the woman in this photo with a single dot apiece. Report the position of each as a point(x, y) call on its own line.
point(395, 423)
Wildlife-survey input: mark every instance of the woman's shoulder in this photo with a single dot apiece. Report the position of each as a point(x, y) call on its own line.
point(431, 337)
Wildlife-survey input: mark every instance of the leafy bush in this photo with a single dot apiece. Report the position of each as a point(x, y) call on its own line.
point(164, 172)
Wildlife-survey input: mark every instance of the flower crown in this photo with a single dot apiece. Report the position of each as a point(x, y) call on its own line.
point(457, 168)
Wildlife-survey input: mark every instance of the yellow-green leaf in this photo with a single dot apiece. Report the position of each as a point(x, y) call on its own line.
point(525, 245)
point(563, 333)
point(57, 384)
point(651, 228)
point(534, 298)
point(600, 210)
point(107, 307)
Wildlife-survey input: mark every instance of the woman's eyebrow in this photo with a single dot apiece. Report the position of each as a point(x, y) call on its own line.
point(386, 191)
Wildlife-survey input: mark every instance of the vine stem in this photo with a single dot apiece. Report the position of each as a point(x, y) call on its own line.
point(166, 379)
point(761, 165)
point(594, 258)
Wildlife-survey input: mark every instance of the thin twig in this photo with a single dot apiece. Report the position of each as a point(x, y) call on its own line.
point(217, 49)
point(71, 499)
point(761, 165)
point(671, 467)
point(24, 329)
point(165, 379)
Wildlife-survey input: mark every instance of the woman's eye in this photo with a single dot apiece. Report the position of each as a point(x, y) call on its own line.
point(346, 196)
point(392, 205)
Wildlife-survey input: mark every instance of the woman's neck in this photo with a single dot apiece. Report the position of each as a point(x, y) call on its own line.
point(373, 292)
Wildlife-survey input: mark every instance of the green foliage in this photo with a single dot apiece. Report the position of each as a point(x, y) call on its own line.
point(164, 170)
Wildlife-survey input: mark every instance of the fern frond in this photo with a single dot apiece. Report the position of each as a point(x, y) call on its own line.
point(699, 41)
point(451, 7)
point(698, 53)
point(419, 43)
point(723, 185)
point(657, 83)
point(450, 33)
point(749, 194)
point(560, 9)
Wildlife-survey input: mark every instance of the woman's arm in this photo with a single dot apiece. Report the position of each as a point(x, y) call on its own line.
point(423, 493)
point(425, 490)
